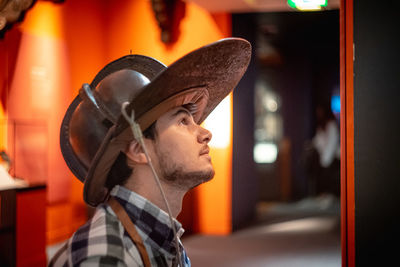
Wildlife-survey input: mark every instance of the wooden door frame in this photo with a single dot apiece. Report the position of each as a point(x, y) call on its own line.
point(347, 133)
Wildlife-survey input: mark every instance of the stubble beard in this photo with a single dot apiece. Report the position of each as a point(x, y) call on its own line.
point(176, 175)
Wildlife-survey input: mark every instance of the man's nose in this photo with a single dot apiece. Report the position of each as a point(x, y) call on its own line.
point(204, 135)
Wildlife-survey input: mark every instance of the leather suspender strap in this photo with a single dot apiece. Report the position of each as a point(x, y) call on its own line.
point(130, 228)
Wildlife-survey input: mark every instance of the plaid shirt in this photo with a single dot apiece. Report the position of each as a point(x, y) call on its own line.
point(103, 241)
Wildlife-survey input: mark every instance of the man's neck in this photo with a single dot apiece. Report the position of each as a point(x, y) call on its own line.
point(144, 184)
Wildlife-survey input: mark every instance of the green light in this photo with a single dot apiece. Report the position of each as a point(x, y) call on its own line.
point(307, 4)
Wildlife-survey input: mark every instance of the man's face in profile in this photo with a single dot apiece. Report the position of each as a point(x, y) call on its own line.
point(181, 152)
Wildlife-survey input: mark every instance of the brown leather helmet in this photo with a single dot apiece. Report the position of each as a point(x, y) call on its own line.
point(93, 132)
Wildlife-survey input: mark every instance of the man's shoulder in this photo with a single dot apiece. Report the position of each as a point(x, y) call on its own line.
point(101, 236)
point(98, 234)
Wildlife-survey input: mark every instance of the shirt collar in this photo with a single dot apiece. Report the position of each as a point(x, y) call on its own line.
point(152, 222)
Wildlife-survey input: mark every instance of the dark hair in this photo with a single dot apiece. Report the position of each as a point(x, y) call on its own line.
point(324, 115)
point(120, 171)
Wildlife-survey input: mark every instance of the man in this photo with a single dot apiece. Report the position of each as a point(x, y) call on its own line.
point(137, 184)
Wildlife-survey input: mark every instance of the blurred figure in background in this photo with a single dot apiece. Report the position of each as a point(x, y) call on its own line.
point(327, 143)
point(322, 157)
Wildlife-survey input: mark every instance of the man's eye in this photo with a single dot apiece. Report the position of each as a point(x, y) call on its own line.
point(184, 121)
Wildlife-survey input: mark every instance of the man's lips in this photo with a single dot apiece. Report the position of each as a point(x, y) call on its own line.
point(205, 151)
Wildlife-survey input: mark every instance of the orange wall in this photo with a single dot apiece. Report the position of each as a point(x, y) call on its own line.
point(132, 27)
point(67, 44)
point(3, 129)
point(38, 97)
point(61, 47)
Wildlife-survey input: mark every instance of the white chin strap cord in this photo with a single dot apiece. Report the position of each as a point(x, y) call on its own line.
point(137, 133)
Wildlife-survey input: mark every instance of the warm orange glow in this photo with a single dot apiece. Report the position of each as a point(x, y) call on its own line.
point(85, 38)
point(215, 197)
point(39, 94)
point(134, 28)
point(44, 19)
point(3, 128)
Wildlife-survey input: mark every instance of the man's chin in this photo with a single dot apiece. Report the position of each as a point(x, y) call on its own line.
point(190, 180)
point(203, 177)
point(211, 174)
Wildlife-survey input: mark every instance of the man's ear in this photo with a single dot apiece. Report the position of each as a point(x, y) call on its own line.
point(135, 153)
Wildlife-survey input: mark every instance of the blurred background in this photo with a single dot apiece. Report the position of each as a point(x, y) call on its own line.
point(275, 198)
